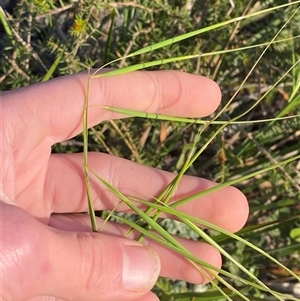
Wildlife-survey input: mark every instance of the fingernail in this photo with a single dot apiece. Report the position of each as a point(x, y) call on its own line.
point(141, 267)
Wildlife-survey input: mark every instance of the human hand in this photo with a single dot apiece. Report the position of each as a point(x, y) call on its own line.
point(47, 247)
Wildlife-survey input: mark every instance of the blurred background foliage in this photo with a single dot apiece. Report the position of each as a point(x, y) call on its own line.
point(67, 37)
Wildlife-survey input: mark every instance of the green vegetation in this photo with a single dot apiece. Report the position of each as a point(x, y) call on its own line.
point(47, 38)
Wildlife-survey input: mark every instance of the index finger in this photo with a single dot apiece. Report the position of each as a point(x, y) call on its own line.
point(57, 106)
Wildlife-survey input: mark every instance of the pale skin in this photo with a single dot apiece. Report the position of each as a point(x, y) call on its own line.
point(48, 251)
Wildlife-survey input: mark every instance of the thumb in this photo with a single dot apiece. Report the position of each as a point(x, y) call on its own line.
point(39, 260)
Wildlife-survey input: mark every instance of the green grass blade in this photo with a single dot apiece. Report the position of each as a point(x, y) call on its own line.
point(163, 61)
point(186, 217)
point(85, 162)
point(52, 68)
point(181, 38)
point(5, 24)
point(141, 114)
point(234, 181)
point(206, 29)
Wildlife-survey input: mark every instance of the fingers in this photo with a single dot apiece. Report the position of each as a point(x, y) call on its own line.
point(55, 108)
point(173, 265)
point(39, 261)
point(227, 208)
